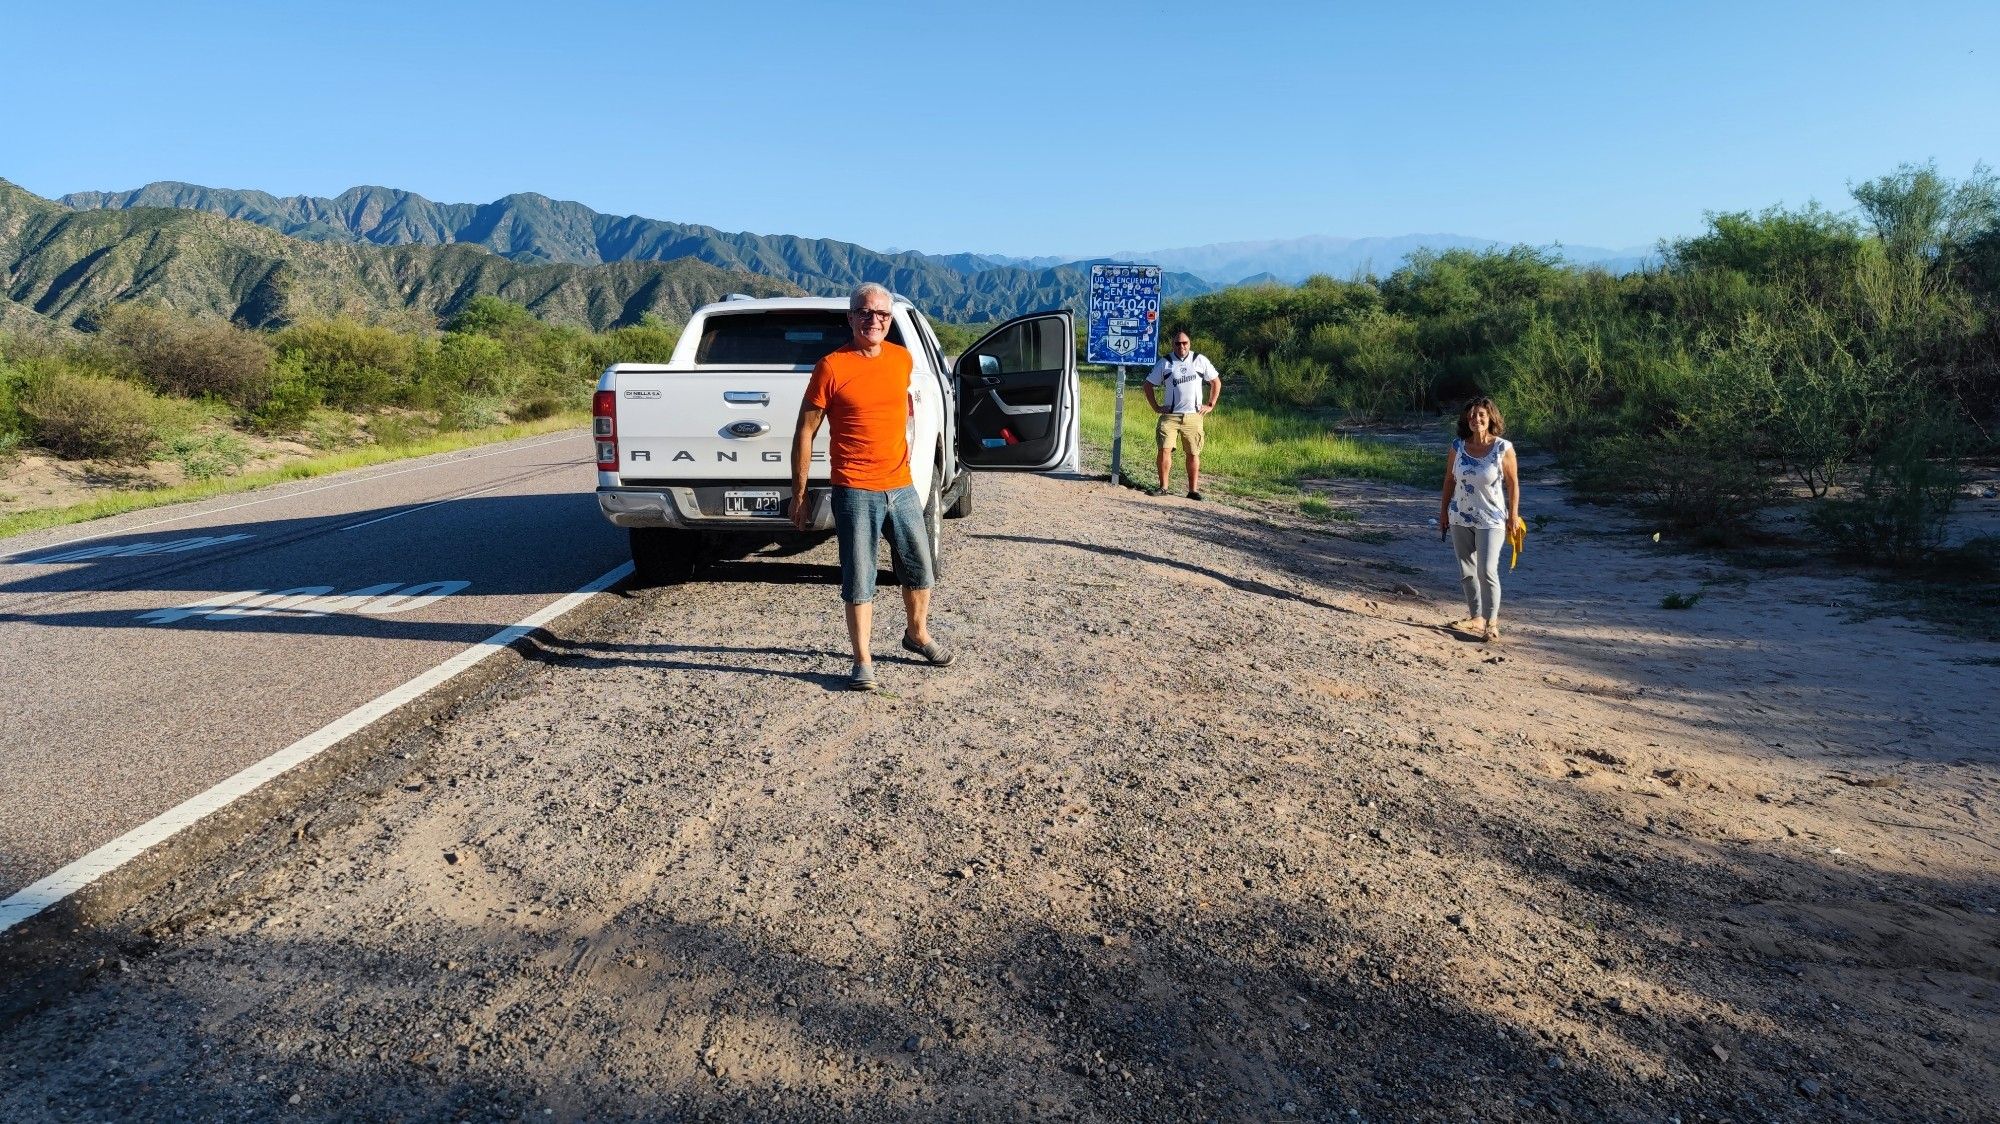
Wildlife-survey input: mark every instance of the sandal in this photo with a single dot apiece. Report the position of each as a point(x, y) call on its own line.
point(1492, 632)
point(936, 654)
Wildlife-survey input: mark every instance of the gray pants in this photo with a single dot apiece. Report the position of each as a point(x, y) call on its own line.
point(1478, 550)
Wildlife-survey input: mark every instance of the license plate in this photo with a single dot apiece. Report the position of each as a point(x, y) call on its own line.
point(753, 503)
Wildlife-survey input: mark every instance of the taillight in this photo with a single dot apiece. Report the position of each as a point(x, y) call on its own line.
point(604, 424)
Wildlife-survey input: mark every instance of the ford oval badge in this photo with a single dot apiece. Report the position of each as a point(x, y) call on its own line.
point(747, 429)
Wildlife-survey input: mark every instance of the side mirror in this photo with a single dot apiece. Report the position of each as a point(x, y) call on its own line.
point(989, 365)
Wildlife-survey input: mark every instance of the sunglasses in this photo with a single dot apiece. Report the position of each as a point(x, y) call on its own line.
point(871, 314)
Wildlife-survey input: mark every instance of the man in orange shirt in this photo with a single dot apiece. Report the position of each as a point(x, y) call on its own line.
point(863, 391)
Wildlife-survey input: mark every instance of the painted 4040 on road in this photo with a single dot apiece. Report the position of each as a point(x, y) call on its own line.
point(699, 444)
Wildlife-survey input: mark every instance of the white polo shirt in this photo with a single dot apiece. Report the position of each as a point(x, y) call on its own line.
point(1182, 379)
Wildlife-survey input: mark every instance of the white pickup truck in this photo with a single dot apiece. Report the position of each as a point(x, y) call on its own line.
point(701, 444)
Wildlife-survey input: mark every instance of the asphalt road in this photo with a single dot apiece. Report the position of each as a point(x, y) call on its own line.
point(147, 658)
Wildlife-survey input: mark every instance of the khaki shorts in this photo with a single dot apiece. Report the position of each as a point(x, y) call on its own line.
point(1187, 426)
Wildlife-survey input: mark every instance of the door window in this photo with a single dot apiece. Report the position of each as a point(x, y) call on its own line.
point(1032, 345)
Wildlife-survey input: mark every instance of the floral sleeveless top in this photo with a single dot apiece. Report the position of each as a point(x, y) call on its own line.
point(1478, 500)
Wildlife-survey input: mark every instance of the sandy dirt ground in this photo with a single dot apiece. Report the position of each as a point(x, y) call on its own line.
point(32, 481)
point(1210, 822)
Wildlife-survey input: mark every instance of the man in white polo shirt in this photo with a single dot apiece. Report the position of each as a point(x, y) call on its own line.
point(1181, 375)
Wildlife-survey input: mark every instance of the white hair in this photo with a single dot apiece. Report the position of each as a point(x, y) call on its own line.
point(868, 289)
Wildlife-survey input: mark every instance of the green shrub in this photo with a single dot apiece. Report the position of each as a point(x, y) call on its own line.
point(1679, 600)
point(494, 318)
point(79, 416)
point(331, 429)
point(293, 399)
point(1900, 514)
point(395, 430)
point(353, 365)
point(472, 411)
point(1380, 370)
point(1692, 481)
point(536, 408)
point(466, 364)
point(204, 456)
point(1287, 378)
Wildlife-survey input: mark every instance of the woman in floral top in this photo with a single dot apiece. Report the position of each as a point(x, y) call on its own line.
point(1481, 504)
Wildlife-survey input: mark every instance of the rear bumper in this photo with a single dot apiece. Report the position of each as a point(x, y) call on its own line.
point(702, 507)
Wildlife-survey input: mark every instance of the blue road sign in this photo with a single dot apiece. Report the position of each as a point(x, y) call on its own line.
point(1124, 315)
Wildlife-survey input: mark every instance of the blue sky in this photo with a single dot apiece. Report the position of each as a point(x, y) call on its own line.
point(1027, 128)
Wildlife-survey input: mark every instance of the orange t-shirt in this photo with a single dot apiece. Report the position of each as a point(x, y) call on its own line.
point(867, 404)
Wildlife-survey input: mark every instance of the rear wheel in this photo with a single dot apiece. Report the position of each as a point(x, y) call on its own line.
point(663, 555)
point(962, 506)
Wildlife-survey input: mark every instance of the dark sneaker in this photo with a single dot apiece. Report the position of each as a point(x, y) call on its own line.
point(1150, 490)
point(935, 653)
point(862, 678)
point(1194, 495)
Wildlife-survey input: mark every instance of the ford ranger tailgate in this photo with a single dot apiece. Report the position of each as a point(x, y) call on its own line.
point(708, 424)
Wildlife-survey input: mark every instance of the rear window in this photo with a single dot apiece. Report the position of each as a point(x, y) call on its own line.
point(781, 339)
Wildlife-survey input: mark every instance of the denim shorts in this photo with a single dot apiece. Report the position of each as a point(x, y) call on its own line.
point(861, 520)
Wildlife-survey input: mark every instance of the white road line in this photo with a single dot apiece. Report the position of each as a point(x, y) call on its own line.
point(95, 865)
point(287, 496)
point(426, 507)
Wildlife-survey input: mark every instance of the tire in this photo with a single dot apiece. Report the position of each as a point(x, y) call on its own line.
point(662, 555)
point(962, 506)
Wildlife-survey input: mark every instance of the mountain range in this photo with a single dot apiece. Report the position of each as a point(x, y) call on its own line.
point(532, 228)
point(67, 266)
point(263, 260)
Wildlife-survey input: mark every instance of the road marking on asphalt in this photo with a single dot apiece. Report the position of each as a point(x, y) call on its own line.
point(426, 507)
point(108, 858)
point(127, 549)
point(310, 601)
point(300, 492)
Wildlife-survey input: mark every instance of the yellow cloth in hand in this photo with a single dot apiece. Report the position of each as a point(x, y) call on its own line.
point(1517, 538)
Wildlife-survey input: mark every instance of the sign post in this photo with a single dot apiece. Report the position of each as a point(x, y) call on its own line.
point(1124, 329)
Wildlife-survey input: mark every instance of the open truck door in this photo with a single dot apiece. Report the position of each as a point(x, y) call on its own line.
point(1017, 396)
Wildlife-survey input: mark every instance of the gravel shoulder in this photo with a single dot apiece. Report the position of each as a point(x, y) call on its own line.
point(1210, 821)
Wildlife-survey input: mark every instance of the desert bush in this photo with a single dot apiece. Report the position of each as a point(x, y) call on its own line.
point(190, 357)
point(295, 395)
point(1377, 363)
point(465, 364)
point(1288, 378)
point(472, 411)
point(331, 429)
point(395, 430)
point(79, 416)
point(1691, 481)
point(353, 365)
point(13, 428)
point(536, 407)
point(495, 318)
point(1899, 515)
point(204, 456)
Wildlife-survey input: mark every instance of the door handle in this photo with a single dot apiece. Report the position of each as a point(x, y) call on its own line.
point(989, 380)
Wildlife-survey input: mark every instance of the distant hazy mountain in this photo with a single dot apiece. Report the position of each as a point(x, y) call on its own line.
point(535, 228)
point(1292, 260)
point(68, 266)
